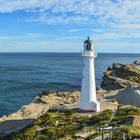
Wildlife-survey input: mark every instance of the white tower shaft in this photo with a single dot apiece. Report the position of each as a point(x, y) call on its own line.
point(88, 100)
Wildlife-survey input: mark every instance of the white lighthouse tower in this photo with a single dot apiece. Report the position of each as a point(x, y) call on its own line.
point(88, 101)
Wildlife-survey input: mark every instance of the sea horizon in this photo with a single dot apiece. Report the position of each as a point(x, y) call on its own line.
point(73, 52)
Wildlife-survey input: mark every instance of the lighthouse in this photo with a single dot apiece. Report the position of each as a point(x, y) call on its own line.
point(88, 101)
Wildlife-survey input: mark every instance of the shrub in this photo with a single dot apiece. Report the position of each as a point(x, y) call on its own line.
point(69, 112)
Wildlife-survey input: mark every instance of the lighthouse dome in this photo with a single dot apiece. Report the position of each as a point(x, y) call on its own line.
point(88, 44)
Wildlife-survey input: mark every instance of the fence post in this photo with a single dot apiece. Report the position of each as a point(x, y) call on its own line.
point(102, 134)
point(123, 136)
point(110, 135)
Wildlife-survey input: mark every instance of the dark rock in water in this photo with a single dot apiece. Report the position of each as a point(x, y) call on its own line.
point(137, 62)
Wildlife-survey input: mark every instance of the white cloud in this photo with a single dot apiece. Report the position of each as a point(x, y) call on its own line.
point(70, 38)
point(77, 11)
point(117, 35)
point(61, 19)
point(39, 46)
point(85, 29)
point(32, 35)
point(117, 20)
point(117, 47)
point(76, 30)
point(23, 36)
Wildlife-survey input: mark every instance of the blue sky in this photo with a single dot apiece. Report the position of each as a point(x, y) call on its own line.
point(62, 25)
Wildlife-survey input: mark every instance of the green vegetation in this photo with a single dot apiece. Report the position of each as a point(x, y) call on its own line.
point(131, 131)
point(50, 126)
point(100, 119)
point(53, 125)
point(69, 112)
point(124, 120)
point(123, 113)
point(93, 136)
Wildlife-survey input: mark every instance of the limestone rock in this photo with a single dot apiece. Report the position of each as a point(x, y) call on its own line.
point(120, 76)
point(129, 96)
point(109, 82)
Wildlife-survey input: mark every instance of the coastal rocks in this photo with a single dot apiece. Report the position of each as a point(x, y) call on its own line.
point(136, 121)
point(120, 76)
point(44, 102)
point(23, 117)
point(40, 105)
point(137, 62)
point(130, 95)
point(110, 83)
point(128, 72)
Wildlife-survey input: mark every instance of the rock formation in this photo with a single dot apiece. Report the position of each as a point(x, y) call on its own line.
point(120, 76)
point(130, 95)
point(125, 80)
point(137, 62)
point(41, 104)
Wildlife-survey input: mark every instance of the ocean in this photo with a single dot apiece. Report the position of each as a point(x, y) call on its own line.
point(25, 75)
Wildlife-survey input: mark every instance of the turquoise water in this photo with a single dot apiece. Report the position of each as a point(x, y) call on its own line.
point(25, 75)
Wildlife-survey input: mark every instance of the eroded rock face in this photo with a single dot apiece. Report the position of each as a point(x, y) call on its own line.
point(120, 76)
point(110, 83)
point(40, 105)
point(129, 96)
point(128, 72)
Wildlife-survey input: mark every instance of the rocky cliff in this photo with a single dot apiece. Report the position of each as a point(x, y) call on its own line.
point(124, 80)
point(44, 102)
point(120, 76)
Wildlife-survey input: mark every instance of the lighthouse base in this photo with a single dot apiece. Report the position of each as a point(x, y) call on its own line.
point(86, 111)
point(94, 106)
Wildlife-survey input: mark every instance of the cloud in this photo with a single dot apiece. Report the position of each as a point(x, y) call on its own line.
point(70, 38)
point(85, 29)
point(77, 11)
point(61, 19)
point(104, 20)
point(39, 46)
point(23, 36)
point(117, 47)
point(117, 35)
point(32, 35)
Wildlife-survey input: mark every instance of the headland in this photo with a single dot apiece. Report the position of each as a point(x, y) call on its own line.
point(119, 96)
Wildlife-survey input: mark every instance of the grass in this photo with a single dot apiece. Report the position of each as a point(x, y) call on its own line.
point(131, 131)
point(61, 125)
point(124, 126)
point(100, 119)
point(124, 113)
point(67, 125)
